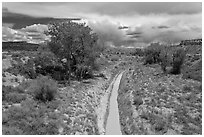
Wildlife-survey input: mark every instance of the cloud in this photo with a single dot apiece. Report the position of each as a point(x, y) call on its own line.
point(147, 22)
point(134, 33)
point(32, 34)
point(36, 28)
point(123, 27)
point(163, 27)
point(146, 28)
point(9, 34)
point(136, 36)
point(107, 31)
point(176, 28)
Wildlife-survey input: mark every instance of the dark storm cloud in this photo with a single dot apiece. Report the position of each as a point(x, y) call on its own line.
point(19, 20)
point(134, 33)
point(136, 36)
point(148, 8)
point(123, 27)
point(163, 27)
point(110, 8)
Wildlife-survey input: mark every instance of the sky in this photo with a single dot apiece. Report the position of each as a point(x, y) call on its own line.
point(147, 22)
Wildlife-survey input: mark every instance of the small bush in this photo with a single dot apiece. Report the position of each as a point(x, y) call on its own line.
point(29, 120)
point(43, 89)
point(12, 93)
point(11, 131)
point(83, 72)
point(45, 58)
point(47, 64)
point(187, 88)
point(160, 125)
point(138, 52)
point(164, 60)
point(26, 70)
point(178, 59)
point(6, 90)
point(15, 97)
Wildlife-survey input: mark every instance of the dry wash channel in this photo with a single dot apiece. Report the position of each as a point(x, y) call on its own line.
point(113, 122)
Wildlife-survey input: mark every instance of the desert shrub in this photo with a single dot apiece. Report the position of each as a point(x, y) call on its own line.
point(164, 60)
point(15, 97)
point(57, 72)
point(5, 90)
point(178, 59)
point(47, 64)
point(9, 93)
point(152, 53)
point(137, 51)
point(102, 62)
point(137, 101)
point(75, 42)
point(59, 75)
point(43, 48)
point(28, 120)
point(83, 72)
point(45, 58)
point(26, 70)
point(187, 88)
point(160, 125)
point(4, 56)
point(11, 131)
point(43, 89)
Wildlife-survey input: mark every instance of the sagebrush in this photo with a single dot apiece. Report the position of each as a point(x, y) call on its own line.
point(43, 89)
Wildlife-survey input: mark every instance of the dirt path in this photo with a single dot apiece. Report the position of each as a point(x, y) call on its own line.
point(113, 123)
point(103, 109)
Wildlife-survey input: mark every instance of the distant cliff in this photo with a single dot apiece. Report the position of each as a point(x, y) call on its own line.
point(191, 42)
point(19, 46)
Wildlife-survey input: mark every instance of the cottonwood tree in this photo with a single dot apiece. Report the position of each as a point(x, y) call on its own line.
point(74, 42)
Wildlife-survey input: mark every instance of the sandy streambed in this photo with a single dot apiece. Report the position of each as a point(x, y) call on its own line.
point(103, 110)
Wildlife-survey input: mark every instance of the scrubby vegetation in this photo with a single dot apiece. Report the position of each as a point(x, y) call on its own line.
point(75, 44)
point(26, 119)
point(152, 53)
point(60, 58)
point(175, 58)
point(31, 107)
point(41, 102)
point(178, 59)
point(152, 103)
point(13, 94)
point(43, 89)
